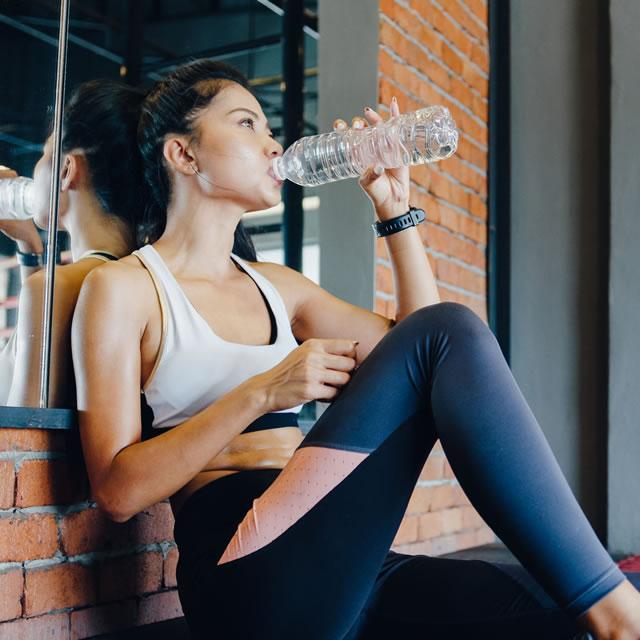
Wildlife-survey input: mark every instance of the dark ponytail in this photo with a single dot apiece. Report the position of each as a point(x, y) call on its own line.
point(101, 120)
point(172, 107)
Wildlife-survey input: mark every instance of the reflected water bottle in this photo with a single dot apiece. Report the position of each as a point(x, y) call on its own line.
point(16, 198)
point(426, 135)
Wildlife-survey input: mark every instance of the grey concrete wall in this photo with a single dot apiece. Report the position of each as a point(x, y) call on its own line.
point(347, 82)
point(557, 287)
point(624, 292)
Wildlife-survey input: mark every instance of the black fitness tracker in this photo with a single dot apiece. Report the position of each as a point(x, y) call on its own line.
point(30, 259)
point(412, 218)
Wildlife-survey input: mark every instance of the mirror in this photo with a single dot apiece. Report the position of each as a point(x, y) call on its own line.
point(28, 50)
point(138, 42)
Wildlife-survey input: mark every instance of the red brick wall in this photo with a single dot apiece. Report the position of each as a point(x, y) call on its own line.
point(65, 570)
point(437, 52)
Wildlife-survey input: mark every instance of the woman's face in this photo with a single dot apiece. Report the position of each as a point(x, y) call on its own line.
point(42, 188)
point(234, 151)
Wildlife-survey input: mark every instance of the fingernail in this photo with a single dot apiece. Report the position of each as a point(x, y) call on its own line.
point(367, 109)
point(378, 169)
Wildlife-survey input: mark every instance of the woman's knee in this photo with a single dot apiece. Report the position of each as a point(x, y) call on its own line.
point(449, 317)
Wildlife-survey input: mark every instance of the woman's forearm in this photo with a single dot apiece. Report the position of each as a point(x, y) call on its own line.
point(414, 283)
point(31, 246)
point(146, 472)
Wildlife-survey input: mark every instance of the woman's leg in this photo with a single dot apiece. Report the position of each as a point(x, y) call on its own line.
point(438, 374)
point(467, 599)
point(326, 575)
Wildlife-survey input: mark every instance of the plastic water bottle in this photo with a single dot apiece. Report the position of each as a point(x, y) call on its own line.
point(426, 135)
point(16, 198)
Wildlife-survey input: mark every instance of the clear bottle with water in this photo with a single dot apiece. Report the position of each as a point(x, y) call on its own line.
point(16, 198)
point(426, 135)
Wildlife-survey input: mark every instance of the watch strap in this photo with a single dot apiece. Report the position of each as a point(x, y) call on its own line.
point(412, 218)
point(29, 259)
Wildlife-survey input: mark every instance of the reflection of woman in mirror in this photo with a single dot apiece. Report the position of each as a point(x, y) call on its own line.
point(98, 207)
point(281, 537)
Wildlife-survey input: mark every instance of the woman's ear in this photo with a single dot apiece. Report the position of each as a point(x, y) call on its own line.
point(177, 155)
point(69, 171)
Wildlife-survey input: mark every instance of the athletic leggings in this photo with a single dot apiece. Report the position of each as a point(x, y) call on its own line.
point(304, 553)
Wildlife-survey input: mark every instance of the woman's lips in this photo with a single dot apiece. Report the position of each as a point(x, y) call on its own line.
point(270, 172)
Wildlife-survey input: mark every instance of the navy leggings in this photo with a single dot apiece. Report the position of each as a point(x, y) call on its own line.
point(437, 374)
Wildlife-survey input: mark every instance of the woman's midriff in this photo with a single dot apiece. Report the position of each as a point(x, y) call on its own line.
point(267, 449)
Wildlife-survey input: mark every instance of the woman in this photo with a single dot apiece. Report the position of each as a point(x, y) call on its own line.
point(98, 206)
point(282, 537)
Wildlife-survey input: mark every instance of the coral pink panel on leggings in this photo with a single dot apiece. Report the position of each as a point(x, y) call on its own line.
point(309, 476)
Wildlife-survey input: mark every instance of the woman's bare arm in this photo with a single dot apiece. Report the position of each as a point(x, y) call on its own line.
point(316, 313)
point(25, 388)
point(126, 474)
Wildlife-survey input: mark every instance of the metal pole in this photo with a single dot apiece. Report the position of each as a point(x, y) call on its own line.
point(135, 32)
point(293, 112)
point(499, 232)
point(52, 239)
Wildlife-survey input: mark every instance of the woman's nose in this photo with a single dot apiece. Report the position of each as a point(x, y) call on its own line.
point(275, 149)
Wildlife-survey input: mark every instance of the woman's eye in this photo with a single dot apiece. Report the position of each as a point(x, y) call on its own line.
point(250, 121)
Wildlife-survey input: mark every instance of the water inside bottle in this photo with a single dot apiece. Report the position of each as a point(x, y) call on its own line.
point(426, 135)
point(16, 198)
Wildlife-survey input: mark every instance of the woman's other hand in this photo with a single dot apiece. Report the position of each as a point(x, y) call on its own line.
point(316, 370)
point(388, 189)
point(25, 233)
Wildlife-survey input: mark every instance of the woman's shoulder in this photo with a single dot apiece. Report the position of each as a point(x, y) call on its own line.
point(68, 277)
point(294, 288)
point(67, 283)
point(124, 276)
point(121, 290)
point(278, 274)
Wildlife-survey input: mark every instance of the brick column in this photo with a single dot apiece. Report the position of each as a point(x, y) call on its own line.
point(437, 52)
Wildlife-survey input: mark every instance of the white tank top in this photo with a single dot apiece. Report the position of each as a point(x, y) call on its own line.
point(195, 367)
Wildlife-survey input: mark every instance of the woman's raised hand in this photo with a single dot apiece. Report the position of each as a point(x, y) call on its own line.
point(316, 370)
point(388, 189)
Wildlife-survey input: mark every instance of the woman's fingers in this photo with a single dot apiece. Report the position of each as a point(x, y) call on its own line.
point(356, 123)
point(371, 175)
point(333, 361)
point(5, 172)
point(326, 393)
point(372, 118)
point(338, 363)
point(335, 378)
point(336, 346)
point(394, 108)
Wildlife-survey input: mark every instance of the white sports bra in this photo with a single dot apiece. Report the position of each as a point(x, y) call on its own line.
point(195, 367)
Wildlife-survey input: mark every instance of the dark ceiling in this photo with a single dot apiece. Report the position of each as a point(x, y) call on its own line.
point(138, 41)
